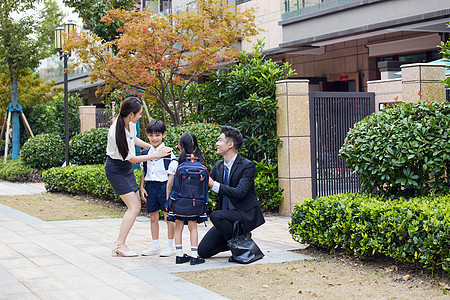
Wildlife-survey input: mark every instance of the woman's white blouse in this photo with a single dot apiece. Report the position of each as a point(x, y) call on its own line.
point(111, 148)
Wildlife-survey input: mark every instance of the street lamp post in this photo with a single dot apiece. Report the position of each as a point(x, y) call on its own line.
point(59, 43)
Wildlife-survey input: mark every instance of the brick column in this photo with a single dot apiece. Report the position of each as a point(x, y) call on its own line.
point(293, 128)
point(87, 118)
point(425, 78)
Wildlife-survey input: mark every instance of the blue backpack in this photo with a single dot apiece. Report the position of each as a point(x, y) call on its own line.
point(189, 194)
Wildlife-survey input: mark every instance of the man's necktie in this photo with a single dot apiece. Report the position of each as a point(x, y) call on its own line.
point(226, 180)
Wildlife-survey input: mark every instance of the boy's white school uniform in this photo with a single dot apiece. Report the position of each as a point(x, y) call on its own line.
point(156, 170)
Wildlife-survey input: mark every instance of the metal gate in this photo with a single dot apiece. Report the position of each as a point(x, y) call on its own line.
point(332, 114)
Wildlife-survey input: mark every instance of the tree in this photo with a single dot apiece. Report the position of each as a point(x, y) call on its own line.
point(446, 54)
point(24, 41)
point(245, 97)
point(92, 11)
point(162, 54)
point(32, 90)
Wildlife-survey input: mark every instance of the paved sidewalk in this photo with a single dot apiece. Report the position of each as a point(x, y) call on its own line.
point(72, 259)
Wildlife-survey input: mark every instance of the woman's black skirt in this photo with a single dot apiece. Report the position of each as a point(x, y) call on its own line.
point(121, 176)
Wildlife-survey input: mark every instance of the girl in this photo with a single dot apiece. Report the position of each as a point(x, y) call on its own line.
point(121, 154)
point(188, 145)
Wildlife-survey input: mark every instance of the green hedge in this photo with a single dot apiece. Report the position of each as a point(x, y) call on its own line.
point(44, 151)
point(89, 147)
point(15, 170)
point(410, 230)
point(87, 179)
point(402, 151)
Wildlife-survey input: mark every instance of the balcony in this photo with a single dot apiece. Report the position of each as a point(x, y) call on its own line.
point(292, 8)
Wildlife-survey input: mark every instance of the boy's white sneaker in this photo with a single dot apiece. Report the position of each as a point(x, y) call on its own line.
point(167, 252)
point(151, 251)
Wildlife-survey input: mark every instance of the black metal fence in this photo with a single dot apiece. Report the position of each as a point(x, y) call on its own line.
point(332, 114)
point(103, 118)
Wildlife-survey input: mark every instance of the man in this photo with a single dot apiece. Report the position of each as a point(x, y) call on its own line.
point(233, 179)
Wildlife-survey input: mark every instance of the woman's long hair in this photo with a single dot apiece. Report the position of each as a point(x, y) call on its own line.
point(128, 106)
point(189, 144)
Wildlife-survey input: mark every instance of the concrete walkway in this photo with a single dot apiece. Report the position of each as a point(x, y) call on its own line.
point(72, 259)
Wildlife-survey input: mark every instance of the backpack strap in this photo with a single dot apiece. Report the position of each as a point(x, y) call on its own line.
point(144, 164)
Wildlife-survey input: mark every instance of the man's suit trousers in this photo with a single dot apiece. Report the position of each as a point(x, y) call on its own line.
point(215, 240)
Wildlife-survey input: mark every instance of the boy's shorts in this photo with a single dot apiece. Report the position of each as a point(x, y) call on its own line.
point(156, 195)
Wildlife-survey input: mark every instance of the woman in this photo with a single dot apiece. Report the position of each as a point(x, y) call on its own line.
point(121, 155)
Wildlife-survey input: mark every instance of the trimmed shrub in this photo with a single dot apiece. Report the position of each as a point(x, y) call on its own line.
point(43, 151)
point(89, 147)
point(15, 170)
point(266, 186)
point(87, 179)
point(402, 150)
point(411, 230)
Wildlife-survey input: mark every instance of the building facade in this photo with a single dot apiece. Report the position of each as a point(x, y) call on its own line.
point(339, 45)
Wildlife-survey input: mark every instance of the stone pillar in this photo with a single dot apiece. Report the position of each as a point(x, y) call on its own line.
point(388, 68)
point(88, 117)
point(423, 81)
point(293, 128)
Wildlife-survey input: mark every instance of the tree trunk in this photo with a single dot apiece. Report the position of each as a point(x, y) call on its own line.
point(15, 109)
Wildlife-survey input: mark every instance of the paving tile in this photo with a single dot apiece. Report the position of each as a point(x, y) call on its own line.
point(144, 291)
point(65, 270)
point(44, 284)
point(23, 296)
point(85, 280)
point(19, 262)
point(59, 294)
point(49, 260)
point(27, 273)
point(100, 293)
point(5, 275)
point(10, 288)
point(118, 277)
point(97, 267)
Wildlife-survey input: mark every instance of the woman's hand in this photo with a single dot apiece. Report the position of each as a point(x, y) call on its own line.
point(163, 151)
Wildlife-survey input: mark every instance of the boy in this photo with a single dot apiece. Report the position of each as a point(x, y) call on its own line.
point(153, 188)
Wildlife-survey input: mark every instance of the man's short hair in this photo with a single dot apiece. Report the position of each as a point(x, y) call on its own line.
point(234, 134)
point(155, 126)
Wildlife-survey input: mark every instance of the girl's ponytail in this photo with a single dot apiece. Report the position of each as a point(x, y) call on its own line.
point(189, 144)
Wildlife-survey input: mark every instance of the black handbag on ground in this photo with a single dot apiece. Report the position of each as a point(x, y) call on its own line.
point(243, 249)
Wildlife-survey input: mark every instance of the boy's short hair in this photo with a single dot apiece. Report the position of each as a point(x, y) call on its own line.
point(155, 126)
point(234, 134)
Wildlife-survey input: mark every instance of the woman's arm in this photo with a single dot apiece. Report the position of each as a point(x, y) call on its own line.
point(141, 143)
point(163, 151)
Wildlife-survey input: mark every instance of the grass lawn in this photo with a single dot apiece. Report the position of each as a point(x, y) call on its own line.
point(328, 276)
point(56, 207)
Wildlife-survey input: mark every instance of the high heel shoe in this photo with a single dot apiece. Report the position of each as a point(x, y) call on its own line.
point(128, 253)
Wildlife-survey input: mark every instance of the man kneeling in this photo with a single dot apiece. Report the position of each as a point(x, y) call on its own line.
point(233, 179)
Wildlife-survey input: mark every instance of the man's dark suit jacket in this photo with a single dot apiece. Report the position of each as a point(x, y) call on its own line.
point(241, 190)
